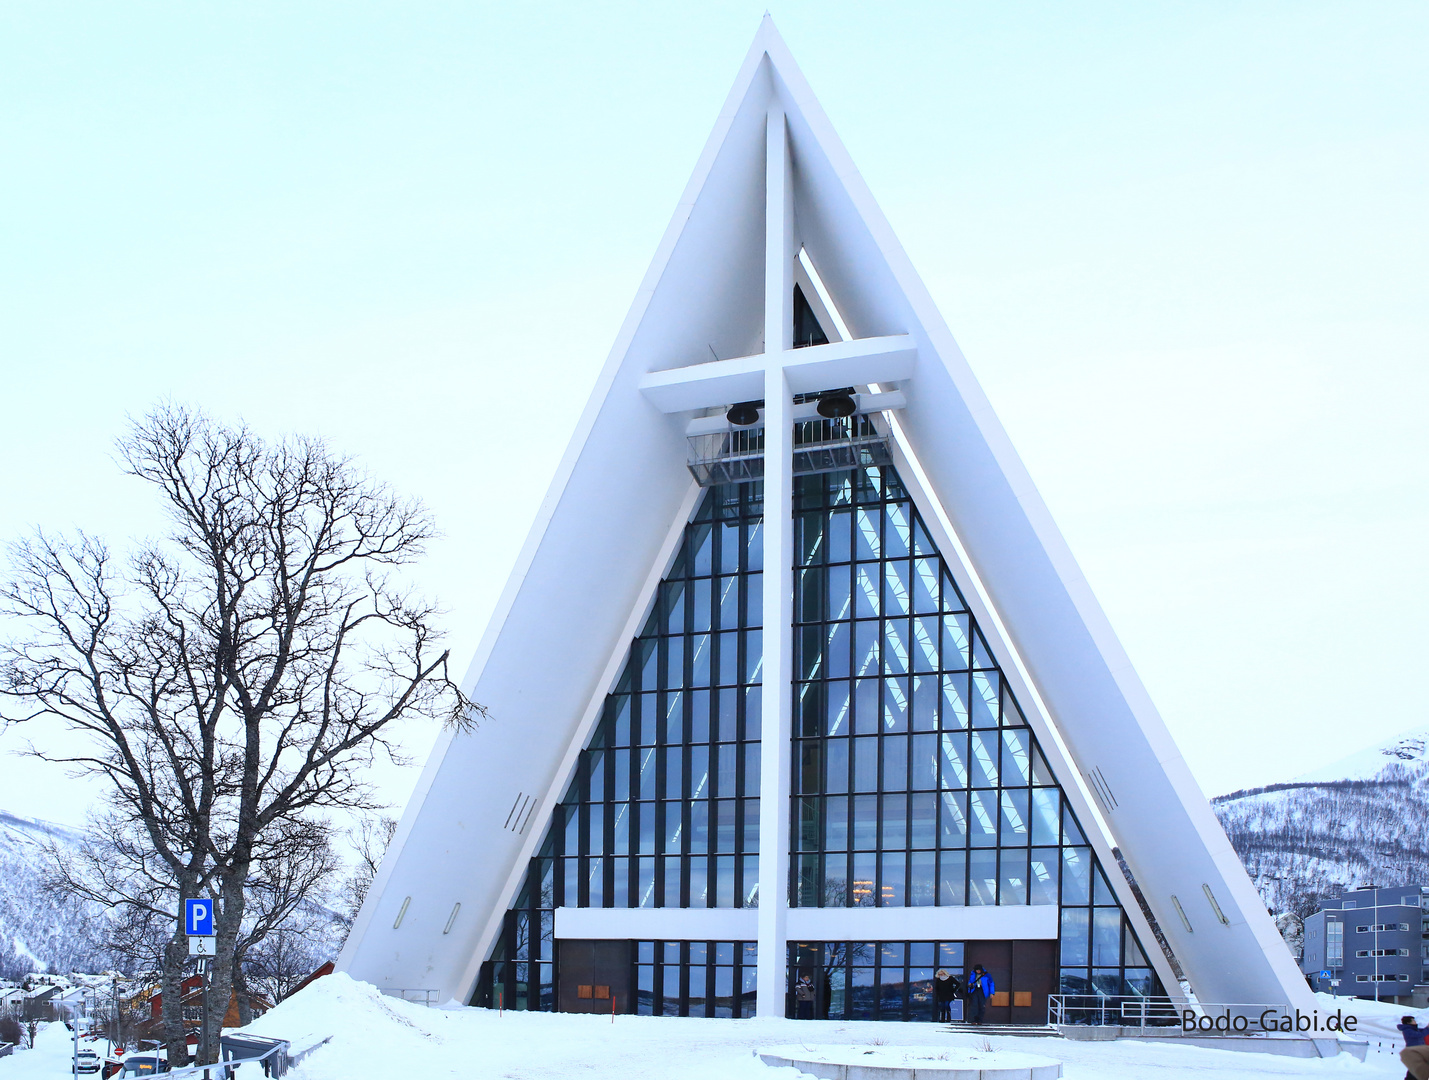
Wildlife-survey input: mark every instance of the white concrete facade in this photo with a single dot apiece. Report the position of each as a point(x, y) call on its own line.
point(773, 180)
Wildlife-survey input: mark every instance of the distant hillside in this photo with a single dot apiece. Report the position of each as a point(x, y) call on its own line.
point(35, 931)
point(1361, 820)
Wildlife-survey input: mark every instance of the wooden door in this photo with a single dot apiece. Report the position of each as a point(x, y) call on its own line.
point(996, 959)
point(1034, 972)
point(594, 976)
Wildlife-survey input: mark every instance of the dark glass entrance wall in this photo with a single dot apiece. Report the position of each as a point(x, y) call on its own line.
point(664, 808)
point(917, 781)
point(695, 978)
point(873, 980)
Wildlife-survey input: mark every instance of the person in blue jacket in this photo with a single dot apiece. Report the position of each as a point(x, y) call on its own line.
point(1413, 1058)
point(980, 988)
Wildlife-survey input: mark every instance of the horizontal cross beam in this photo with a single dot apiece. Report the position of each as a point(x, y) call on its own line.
point(808, 370)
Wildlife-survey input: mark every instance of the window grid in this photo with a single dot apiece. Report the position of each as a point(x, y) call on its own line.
point(874, 980)
point(916, 779)
point(695, 978)
point(663, 810)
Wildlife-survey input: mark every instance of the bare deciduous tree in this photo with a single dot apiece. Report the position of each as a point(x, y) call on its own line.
point(232, 680)
point(370, 839)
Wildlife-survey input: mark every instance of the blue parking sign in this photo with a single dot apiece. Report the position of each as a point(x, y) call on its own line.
point(198, 918)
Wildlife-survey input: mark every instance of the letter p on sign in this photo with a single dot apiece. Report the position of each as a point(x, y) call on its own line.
point(198, 918)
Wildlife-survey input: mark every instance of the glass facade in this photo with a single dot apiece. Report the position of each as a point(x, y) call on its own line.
point(664, 808)
point(874, 980)
point(916, 779)
point(695, 978)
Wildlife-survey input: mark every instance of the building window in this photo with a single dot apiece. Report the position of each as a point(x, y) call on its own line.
point(1350, 904)
point(1411, 901)
point(1335, 944)
point(663, 809)
point(695, 978)
point(1361, 929)
point(916, 778)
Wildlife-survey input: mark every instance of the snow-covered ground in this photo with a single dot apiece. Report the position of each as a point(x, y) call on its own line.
point(379, 1038)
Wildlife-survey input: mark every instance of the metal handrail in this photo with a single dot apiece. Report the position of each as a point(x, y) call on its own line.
point(227, 1066)
point(416, 995)
point(1150, 1011)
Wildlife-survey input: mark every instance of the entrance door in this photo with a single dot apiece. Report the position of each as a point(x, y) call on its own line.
point(996, 959)
point(594, 976)
point(1033, 973)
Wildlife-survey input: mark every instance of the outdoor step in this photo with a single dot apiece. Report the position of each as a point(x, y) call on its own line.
point(1027, 1031)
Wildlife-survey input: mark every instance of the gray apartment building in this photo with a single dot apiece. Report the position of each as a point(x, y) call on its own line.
point(1373, 941)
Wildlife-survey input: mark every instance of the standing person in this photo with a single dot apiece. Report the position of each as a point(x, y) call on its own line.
point(980, 988)
point(945, 989)
point(804, 998)
point(1415, 1054)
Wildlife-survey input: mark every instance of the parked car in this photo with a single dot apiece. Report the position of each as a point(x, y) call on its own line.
point(144, 1065)
point(88, 1062)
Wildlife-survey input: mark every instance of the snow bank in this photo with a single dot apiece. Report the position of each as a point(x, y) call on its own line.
point(381, 1038)
point(1378, 1020)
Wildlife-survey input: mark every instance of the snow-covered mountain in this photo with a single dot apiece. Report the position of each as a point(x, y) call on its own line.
point(1361, 820)
point(39, 932)
point(36, 930)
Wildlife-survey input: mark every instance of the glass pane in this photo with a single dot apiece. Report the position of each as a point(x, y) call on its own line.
point(952, 878)
point(1075, 936)
point(1106, 936)
point(893, 870)
point(982, 819)
point(1076, 875)
point(1014, 819)
point(922, 879)
point(1012, 877)
point(955, 702)
point(895, 763)
point(1016, 764)
point(954, 764)
point(982, 877)
point(895, 822)
point(1043, 876)
point(865, 865)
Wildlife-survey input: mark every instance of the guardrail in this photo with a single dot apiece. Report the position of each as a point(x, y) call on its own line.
point(274, 1061)
point(1167, 1015)
point(429, 998)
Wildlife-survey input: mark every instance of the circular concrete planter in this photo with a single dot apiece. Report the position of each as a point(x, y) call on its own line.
point(912, 1063)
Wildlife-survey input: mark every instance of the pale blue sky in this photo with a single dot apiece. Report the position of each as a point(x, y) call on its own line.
point(1182, 245)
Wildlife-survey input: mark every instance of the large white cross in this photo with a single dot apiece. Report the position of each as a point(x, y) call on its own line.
point(776, 375)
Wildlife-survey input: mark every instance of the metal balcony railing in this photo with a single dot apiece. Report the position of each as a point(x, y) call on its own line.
point(737, 455)
point(1167, 1016)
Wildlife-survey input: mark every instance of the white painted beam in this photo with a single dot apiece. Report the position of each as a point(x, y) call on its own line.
point(657, 924)
point(819, 367)
point(991, 923)
point(776, 699)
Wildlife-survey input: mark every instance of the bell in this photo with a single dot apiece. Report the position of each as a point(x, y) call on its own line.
point(836, 406)
point(743, 414)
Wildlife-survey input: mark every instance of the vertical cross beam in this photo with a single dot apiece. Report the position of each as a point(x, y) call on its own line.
point(777, 697)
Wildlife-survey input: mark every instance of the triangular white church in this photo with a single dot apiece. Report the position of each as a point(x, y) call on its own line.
point(796, 675)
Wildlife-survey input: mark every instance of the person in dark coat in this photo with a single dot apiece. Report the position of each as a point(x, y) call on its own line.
point(804, 993)
point(945, 990)
point(980, 988)
point(1414, 1036)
